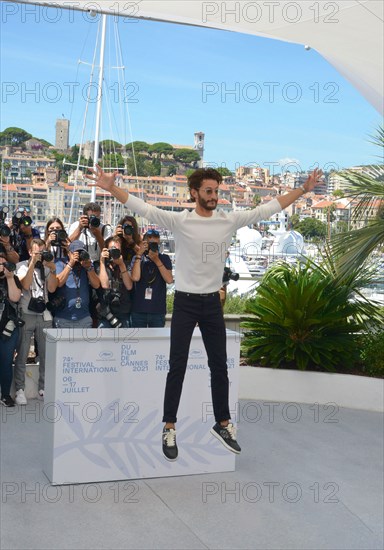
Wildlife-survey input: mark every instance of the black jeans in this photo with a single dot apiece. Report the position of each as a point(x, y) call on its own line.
point(188, 310)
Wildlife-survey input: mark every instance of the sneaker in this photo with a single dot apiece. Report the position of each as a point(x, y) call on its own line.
point(20, 398)
point(169, 444)
point(7, 401)
point(227, 436)
point(41, 394)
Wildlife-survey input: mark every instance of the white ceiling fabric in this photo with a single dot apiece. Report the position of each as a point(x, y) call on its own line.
point(347, 33)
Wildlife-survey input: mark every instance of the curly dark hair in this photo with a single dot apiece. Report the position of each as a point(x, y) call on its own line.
point(196, 178)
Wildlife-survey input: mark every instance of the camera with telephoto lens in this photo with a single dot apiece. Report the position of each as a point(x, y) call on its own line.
point(114, 253)
point(83, 256)
point(110, 307)
point(14, 320)
point(46, 256)
point(114, 299)
point(10, 266)
point(93, 221)
point(112, 320)
point(60, 237)
point(3, 212)
point(4, 229)
point(128, 229)
point(229, 275)
point(19, 218)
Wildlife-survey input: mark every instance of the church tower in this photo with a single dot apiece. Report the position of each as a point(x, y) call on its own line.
point(199, 146)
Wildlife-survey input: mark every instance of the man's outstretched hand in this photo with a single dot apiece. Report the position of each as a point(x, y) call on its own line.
point(313, 179)
point(104, 180)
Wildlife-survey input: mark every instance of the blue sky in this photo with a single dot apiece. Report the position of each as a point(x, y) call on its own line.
point(182, 79)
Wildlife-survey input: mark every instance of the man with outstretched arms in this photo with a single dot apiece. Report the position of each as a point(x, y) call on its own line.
point(202, 237)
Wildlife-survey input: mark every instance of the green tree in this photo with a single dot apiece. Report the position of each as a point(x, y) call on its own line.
point(172, 170)
point(187, 156)
point(330, 212)
point(114, 160)
point(367, 188)
point(43, 141)
point(305, 316)
point(138, 146)
point(294, 221)
point(14, 136)
point(160, 149)
point(223, 170)
point(110, 146)
point(309, 228)
point(338, 193)
point(341, 226)
point(256, 199)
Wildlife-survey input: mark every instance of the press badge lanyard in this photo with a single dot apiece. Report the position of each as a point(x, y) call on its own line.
point(148, 290)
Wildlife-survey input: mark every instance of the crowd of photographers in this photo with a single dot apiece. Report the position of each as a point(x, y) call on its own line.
point(91, 275)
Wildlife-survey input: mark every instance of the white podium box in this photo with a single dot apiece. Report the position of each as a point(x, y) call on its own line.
point(103, 406)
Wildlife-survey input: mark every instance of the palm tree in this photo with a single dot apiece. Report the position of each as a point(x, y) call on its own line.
point(354, 247)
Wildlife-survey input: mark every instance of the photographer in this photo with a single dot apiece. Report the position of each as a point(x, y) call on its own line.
point(127, 229)
point(151, 271)
point(56, 238)
point(5, 237)
point(116, 283)
point(75, 277)
point(37, 277)
point(22, 232)
point(90, 231)
point(10, 292)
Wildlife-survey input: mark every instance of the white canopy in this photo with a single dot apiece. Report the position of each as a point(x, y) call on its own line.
point(347, 33)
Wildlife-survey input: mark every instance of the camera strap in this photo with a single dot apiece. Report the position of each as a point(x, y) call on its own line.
point(37, 285)
point(87, 238)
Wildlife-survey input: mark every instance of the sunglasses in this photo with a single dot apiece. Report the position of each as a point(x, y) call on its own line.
point(209, 191)
point(153, 233)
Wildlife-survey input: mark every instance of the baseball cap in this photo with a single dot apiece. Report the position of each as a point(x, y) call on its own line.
point(76, 245)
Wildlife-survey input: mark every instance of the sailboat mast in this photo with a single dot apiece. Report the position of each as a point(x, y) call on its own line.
point(99, 98)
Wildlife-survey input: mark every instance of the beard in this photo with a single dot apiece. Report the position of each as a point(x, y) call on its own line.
point(210, 204)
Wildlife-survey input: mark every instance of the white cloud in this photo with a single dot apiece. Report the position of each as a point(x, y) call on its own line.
point(288, 160)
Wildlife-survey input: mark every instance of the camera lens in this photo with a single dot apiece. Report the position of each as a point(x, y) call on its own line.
point(114, 253)
point(94, 221)
point(47, 256)
point(83, 256)
point(26, 220)
point(4, 230)
point(128, 229)
point(10, 266)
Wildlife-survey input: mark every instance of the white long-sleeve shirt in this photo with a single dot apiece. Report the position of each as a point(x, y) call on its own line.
point(201, 242)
